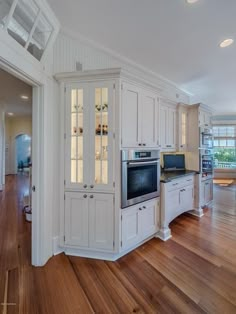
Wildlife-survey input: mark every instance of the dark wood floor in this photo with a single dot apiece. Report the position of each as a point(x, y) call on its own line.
point(193, 272)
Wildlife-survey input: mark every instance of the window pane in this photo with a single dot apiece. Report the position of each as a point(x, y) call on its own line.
point(23, 20)
point(5, 6)
point(40, 37)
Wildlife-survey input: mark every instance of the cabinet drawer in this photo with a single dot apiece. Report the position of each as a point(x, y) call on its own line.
point(179, 183)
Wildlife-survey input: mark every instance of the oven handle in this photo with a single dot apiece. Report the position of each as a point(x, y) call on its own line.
point(143, 162)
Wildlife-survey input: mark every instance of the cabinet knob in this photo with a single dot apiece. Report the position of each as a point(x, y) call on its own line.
point(139, 144)
point(144, 144)
point(144, 207)
point(91, 196)
point(140, 208)
point(85, 195)
point(92, 186)
point(85, 186)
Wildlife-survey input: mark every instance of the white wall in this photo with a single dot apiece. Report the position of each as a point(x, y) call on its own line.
point(13, 127)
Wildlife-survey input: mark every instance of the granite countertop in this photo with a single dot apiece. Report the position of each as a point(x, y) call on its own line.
point(167, 176)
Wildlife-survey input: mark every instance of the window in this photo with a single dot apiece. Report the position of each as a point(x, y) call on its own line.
point(25, 21)
point(224, 146)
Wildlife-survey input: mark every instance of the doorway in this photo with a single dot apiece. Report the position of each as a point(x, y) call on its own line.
point(8, 163)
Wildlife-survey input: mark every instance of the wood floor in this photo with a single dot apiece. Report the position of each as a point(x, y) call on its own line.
point(193, 272)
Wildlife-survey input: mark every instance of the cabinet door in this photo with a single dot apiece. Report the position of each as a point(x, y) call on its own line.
point(149, 119)
point(168, 127)
point(182, 128)
point(208, 191)
point(130, 116)
point(204, 118)
point(130, 227)
point(101, 136)
point(173, 205)
point(172, 127)
point(164, 126)
point(76, 135)
point(101, 221)
point(76, 219)
point(187, 198)
point(148, 217)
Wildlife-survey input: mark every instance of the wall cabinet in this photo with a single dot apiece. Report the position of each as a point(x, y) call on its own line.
point(177, 197)
point(167, 128)
point(89, 220)
point(139, 117)
point(204, 117)
point(89, 136)
point(139, 222)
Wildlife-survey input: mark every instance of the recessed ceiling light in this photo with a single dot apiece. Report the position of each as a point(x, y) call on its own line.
point(10, 113)
point(24, 97)
point(191, 1)
point(227, 42)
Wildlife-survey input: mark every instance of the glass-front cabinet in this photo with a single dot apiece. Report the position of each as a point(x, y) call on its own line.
point(89, 136)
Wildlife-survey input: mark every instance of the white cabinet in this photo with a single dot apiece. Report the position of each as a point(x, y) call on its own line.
point(89, 136)
point(182, 127)
point(204, 117)
point(89, 220)
point(139, 222)
point(177, 197)
point(168, 127)
point(139, 117)
point(206, 192)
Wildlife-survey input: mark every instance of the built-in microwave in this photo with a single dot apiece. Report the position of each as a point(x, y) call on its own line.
point(140, 176)
point(206, 137)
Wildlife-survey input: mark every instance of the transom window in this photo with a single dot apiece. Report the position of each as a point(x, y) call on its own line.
point(25, 21)
point(224, 146)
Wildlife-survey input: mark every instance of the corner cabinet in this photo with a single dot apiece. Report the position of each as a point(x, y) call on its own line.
point(89, 136)
point(140, 116)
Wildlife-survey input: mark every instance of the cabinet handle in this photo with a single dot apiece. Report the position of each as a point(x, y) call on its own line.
point(144, 207)
point(140, 208)
point(91, 196)
point(175, 184)
point(92, 186)
point(85, 195)
point(189, 180)
point(85, 186)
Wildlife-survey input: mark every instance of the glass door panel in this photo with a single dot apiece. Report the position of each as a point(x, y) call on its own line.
point(76, 136)
point(101, 135)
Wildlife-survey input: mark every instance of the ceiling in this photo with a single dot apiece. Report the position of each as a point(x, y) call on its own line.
point(11, 90)
point(174, 39)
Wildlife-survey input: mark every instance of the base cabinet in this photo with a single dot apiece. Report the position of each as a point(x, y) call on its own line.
point(139, 222)
point(206, 194)
point(89, 220)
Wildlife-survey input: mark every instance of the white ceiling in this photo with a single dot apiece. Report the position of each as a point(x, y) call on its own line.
point(170, 37)
point(11, 88)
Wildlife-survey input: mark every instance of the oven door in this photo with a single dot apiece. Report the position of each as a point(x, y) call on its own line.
point(140, 181)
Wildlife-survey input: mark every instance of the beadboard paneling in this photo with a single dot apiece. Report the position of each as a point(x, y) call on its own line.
point(68, 51)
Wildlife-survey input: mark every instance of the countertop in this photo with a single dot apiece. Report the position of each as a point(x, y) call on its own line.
point(167, 176)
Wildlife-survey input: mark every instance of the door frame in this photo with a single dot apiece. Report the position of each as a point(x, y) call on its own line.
point(37, 247)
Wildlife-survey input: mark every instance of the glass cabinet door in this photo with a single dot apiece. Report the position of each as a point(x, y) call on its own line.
point(75, 132)
point(102, 132)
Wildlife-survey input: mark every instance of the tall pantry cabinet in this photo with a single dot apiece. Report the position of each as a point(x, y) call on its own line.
point(102, 112)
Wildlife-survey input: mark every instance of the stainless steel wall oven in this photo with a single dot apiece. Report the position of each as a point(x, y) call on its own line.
point(140, 176)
